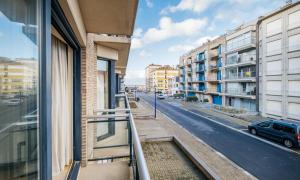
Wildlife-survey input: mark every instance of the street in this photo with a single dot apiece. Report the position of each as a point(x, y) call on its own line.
point(257, 157)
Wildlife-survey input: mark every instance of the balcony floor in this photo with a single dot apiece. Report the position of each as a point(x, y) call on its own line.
point(112, 171)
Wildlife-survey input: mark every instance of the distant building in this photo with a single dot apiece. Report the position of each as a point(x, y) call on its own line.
point(279, 63)
point(162, 77)
point(149, 76)
point(18, 77)
point(201, 71)
point(173, 85)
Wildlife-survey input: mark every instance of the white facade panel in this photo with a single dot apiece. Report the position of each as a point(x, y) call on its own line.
point(273, 87)
point(274, 47)
point(294, 19)
point(294, 42)
point(274, 27)
point(294, 88)
point(273, 67)
point(294, 65)
point(274, 107)
point(294, 110)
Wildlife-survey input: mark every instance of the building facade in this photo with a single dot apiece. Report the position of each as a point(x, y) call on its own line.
point(149, 76)
point(61, 69)
point(240, 68)
point(201, 71)
point(279, 63)
point(162, 78)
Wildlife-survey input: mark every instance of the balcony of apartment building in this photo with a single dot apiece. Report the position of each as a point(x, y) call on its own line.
point(214, 53)
point(69, 124)
point(200, 58)
point(241, 42)
point(202, 87)
point(243, 59)
point(242, 74)
point(113, 146)
point(247, 92)
point(214, 89)
point(200, 68)
point(214, 78)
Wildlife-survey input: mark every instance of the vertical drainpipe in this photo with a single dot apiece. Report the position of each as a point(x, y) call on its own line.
point(257, 65)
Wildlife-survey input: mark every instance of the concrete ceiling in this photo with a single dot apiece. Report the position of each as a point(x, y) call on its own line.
point(109, 16)
point(121, 44)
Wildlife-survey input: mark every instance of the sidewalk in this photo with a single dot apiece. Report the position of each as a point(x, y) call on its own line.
point(163, 127)
point(239, 119)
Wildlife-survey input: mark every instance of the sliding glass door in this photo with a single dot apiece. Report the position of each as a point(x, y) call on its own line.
point(19, 62)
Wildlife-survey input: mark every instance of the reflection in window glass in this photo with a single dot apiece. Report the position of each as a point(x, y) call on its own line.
point(18, 89)
point(102, 84)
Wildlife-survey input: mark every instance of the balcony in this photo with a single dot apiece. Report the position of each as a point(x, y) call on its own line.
point(247, 41)
point(213, 67)
point(238, 92)
point(200, 58)
point(244, 60)
point(214, 54)
point(241, 77)
point(200, 69)
point(112, 136)
point(213, 79)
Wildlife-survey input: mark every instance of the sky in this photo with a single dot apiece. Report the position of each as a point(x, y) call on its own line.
point(166, 29)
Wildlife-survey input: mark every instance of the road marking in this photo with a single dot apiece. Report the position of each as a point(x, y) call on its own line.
point(208, 146)
point(243, 132)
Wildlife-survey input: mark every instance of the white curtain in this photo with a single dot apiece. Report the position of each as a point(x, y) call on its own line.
point(62, 101)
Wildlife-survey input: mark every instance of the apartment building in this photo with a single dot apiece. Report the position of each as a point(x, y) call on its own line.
point(162, 77)
point(18, 76)
point(240, 68)
point(201, 71)
point(68, 60)
point(149, 76)
point(279, 63)
point(193, 71)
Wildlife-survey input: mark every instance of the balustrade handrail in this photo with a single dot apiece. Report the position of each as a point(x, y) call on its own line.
point(138, 151)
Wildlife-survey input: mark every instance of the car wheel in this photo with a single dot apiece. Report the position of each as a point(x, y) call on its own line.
point(288, 143)
point(253, 131)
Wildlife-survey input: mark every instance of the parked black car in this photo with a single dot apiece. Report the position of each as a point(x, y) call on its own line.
point(280, 131)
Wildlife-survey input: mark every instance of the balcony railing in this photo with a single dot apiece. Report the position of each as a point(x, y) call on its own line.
point(112, 134)
point(241, 75)
point(238, 91)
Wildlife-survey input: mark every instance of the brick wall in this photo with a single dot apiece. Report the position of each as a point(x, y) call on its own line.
point(88, 92)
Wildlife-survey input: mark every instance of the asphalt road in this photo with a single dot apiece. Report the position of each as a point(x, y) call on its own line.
point(262, 160)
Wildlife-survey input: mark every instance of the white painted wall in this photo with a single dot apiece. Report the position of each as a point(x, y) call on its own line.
point(294, 42)
point(273, 87)
point(273, 67)
point(294, 20)
point(294, 65)
point(274, 27)
point(294, 88)
point(274, 47)
point(274, 107)
point(294, 110)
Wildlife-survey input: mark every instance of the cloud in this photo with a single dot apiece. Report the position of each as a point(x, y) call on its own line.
point(180, 48)
point(204, 39)
point(197, 6)
point(145, 53)
point(168, 29)
point(138, 32)
point(149, 3)
point(136, 43)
